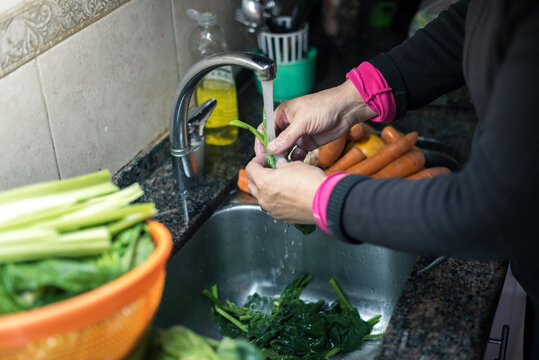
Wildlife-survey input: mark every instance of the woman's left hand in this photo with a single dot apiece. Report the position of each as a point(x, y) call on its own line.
point(286, 193)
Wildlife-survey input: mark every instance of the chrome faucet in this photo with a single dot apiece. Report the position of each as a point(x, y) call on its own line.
point(187, 141)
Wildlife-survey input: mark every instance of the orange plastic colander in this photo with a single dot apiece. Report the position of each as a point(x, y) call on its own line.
point(105, 323)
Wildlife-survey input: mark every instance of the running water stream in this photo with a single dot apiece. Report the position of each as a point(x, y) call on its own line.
point(267, 95)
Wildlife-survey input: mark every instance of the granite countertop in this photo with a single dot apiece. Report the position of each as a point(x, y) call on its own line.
point(442, 314)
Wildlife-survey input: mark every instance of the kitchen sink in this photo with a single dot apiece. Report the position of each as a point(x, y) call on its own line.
point(243, 250)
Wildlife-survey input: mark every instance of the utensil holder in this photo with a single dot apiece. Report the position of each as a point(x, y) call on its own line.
point(284, 48)
point(295, 78)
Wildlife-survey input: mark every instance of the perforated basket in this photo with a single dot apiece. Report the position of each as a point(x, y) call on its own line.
point(286, 48)
point(105, 323)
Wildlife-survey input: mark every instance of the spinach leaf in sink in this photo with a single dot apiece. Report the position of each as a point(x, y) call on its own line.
point(290, 328)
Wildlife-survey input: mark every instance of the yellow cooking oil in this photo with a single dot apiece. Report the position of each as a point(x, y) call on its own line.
point(219, 84)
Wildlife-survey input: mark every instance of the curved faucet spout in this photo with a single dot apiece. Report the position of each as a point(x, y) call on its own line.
point(187, 166)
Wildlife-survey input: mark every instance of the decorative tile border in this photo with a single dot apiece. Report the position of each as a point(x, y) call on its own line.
point(35, 26)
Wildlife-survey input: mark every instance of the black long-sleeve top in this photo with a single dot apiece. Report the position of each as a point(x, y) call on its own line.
point(489, 209)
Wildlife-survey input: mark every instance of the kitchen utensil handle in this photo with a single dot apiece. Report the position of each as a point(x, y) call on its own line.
point(432, 265)
point(502, 342)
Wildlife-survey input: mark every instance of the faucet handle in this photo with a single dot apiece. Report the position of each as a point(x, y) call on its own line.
point(198, 117)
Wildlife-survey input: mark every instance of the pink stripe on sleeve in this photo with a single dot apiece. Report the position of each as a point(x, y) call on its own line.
point(375, 91)
point(321, 199)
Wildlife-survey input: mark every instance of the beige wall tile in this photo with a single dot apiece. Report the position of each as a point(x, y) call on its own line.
point(108, 88)
point(6, 5)
point(26, 149)
point(183, 25)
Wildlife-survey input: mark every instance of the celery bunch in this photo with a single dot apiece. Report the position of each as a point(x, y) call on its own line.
point(68, 218)
point(62, 238)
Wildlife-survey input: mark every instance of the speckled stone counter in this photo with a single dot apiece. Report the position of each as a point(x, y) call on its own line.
point(443, 314)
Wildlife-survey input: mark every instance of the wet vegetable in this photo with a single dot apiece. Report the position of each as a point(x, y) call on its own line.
point(289, 328)
point(305, 229)
point(179, 342)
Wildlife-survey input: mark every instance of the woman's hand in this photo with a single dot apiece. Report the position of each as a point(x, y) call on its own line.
point(314, 120)
point(286, 193)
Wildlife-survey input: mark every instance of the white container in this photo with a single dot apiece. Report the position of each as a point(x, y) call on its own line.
point(285, 48)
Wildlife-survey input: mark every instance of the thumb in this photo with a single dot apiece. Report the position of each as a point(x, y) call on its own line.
point(286, 139)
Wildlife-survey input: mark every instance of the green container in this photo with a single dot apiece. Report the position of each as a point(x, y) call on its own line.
point(294, 79)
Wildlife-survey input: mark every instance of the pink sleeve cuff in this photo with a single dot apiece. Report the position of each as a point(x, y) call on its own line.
point(373, 87)
point(321, 199)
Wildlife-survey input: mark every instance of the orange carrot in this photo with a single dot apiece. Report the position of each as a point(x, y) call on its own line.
point(383, 157)
point(330, 152)
point(390, 134)
point(352, 157)
point(405, 165)
point(356, 132)
point(429, 173)
point(243, 181)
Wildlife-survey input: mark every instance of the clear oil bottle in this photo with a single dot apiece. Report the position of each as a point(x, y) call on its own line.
point(219, 84)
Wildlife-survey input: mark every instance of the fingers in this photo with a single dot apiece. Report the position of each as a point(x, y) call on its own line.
point(281, 162)
point(253, 190)
point(256, 171)
point(260, 159)
point(286, 139)
point(281, 118)
point(259, 148)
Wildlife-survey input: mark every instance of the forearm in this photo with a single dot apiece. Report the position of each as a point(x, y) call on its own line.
point(352, 105)
point(486, 210)
point(429, 64)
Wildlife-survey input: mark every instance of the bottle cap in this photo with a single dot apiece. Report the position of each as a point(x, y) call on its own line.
point(204, 19)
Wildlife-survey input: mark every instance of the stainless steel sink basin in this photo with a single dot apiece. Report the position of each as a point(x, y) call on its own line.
point(243, 250)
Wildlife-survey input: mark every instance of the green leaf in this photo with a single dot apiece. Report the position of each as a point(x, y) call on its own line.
point(305, 229)
point(291, 329)
point(36, 283)
point(246, 126)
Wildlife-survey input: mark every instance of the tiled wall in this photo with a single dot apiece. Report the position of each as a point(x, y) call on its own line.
point(97, 98)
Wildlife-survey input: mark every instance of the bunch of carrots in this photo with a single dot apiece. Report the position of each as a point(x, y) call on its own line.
point(361, 151)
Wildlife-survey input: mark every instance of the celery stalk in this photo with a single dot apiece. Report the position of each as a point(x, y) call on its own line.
point(27, 236)
point(99, 233)
point(97, 211)
point(29, 208)
point(104, 217)
point(41, 216)
point(52, 187)
point(132, 219)
point(75, 244)
point(22, 253)
point(67, 218)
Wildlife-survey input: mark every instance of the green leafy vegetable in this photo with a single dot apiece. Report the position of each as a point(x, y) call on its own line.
point(179, 342)
point(31, 284)
point(61, 238)
point(305, 229)
point(289, 328)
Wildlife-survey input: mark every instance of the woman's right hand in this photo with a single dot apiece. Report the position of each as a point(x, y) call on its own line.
point(311, 121)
